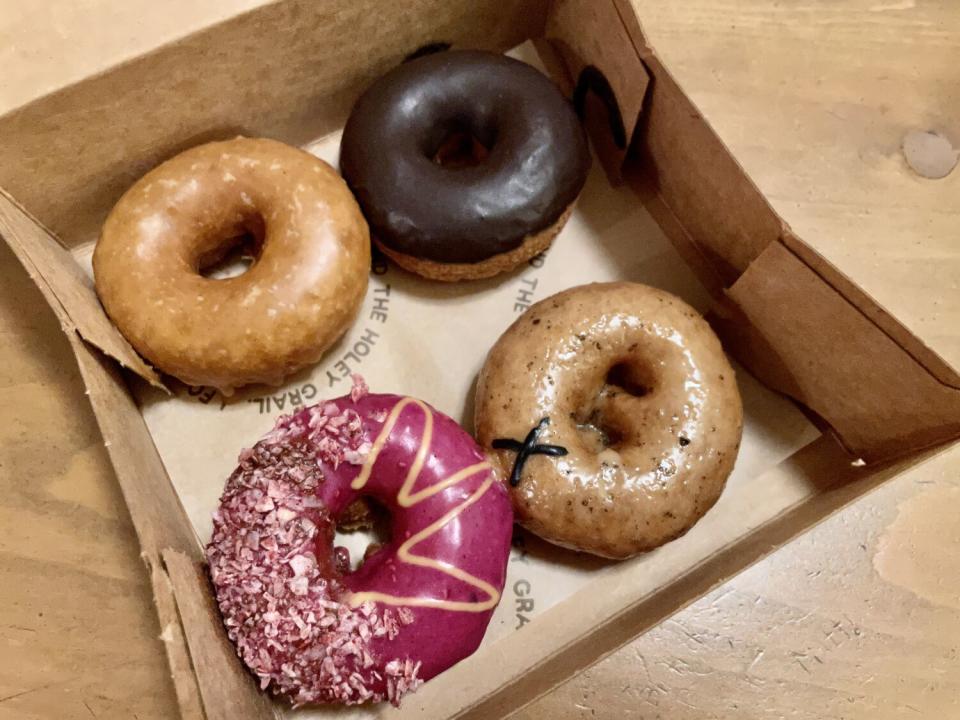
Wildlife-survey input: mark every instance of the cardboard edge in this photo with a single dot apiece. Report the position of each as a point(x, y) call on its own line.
point(128, 442)
point(230, 695)
point(56, 274)
point(164, 530)
point(885, 322)
point(601, 71)
point(565, 649)
point(158, 517)
point(710, 151)
point(86, 109)
point(719, 276)
point(780, 300)
point(173, 636)
point(676, 232)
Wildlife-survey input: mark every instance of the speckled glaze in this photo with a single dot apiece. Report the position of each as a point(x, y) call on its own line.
point(315, 632)
point(297, 298)
point(639, 392)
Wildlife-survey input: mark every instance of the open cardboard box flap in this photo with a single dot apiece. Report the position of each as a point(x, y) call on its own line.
point(782, 310)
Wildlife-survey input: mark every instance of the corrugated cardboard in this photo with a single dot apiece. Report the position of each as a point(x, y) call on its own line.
point(290, 69)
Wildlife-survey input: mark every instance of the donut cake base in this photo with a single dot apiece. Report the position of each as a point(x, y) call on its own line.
point(532, 246)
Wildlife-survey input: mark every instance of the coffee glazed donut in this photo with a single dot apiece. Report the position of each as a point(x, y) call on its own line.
point(455, 222)
point(300, 294)
point(310, 629)
point(614, 413)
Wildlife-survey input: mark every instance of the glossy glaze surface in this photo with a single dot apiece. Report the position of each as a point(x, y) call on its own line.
point(299, 295)
point(451, 528)
point(639, 392)
point(536, 166)
point(414, 607)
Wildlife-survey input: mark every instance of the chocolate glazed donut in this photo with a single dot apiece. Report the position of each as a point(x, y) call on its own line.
point(529, 161)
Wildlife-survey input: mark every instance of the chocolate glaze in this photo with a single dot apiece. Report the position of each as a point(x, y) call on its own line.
point(536, 167)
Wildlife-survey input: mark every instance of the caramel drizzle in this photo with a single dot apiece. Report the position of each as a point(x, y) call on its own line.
point(407, 498)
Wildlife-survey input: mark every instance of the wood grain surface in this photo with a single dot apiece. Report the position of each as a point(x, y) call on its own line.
point(859, 618)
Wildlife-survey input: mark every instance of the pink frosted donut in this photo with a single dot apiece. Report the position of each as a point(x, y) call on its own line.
point(307, 627)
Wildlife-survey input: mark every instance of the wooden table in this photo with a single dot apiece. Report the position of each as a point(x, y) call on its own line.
point(859, 618)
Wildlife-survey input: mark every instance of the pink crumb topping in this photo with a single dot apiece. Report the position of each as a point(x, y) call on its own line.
point(281, 604)
point(359, 389)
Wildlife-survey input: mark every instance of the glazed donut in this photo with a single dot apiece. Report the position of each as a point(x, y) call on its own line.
point(307, 627)
point(614, 413)
point(526, 161)
point(300, 294)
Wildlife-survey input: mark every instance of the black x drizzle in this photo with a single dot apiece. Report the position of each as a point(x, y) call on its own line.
point(527, 448)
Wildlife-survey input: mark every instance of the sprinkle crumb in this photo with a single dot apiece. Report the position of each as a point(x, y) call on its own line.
point(359, 389)
point(282, 605)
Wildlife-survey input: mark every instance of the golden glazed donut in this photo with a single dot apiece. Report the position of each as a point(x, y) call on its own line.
point(299, 295)
point(614, 413)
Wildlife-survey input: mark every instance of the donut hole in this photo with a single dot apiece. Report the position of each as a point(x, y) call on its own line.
point(363, 528)
point(597, 435)
point(603, 426)
point(627, 377)
point(235, 255)
point(459, 145)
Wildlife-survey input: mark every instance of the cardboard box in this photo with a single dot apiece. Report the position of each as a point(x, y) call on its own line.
point(290, 70)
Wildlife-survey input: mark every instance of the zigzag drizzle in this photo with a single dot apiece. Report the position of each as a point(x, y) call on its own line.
point(407, 498)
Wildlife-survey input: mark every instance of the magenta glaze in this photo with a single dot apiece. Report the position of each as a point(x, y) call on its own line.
point(476, 541)
point(416, 607)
